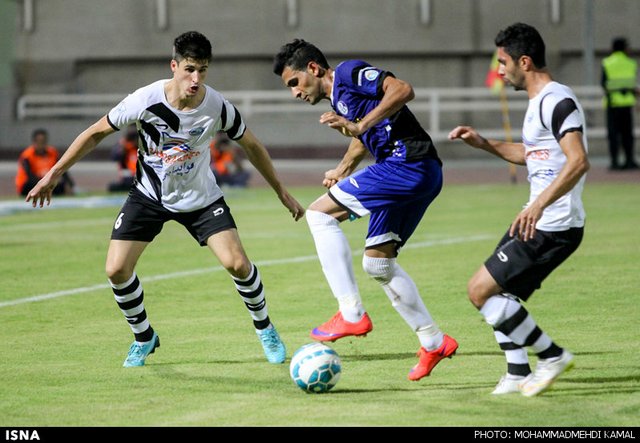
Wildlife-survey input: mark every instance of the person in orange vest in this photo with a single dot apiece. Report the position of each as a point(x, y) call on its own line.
point(125, 153)
point(225, 164)
point(35, 161)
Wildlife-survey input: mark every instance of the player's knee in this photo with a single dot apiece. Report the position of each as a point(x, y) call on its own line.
point(318, 220)
point(380, 269)
point(476, 293)
point(238, 267)
point(117, 272)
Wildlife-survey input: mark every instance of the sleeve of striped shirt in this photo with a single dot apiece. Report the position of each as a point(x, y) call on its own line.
point(562, 116)
point(232, 122)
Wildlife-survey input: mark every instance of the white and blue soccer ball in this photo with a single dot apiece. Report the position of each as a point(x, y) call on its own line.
point(315, 368)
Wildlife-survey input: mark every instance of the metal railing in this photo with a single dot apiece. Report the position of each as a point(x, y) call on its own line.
point(435, 102)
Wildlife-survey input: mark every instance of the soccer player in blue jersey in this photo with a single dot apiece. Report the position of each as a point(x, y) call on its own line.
point(370, 108)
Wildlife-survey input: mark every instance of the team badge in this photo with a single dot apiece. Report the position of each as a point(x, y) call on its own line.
point(343, 108)
point(371, 75)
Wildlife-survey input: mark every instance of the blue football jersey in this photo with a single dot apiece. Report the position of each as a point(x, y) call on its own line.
point(357, 89)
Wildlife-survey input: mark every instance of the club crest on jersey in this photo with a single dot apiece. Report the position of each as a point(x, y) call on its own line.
point(371, 74)
point(196, 131)
point(342, 108)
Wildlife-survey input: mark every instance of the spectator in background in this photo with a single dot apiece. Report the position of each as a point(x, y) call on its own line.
point(225, 163)
point(125, 153)
point(619, 73)
point(35, 161)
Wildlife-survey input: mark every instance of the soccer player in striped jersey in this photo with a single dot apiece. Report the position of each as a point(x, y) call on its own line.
point(370, 108)
point(550, 227)
point(176, 120)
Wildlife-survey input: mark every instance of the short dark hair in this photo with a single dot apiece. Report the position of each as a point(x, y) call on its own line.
point(192, 45)
point(521, 39)
point(39, 131)
point(619, 44)
point(297, 56)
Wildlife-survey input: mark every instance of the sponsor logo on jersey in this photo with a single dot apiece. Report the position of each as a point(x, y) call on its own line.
point(354, 182)
point(218, 211)
point(371, 74)
point(176, 150)
point(503, 257)
point(176, 144)
point(538, 154)
point(196, 131)
point(342, 108)
point(182, 168)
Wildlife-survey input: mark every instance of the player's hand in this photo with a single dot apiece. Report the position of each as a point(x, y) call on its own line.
point(468, 135)
point(42, 191)
point(341, 124)
point(296, 210)
point(331, 177)
point(524, 225)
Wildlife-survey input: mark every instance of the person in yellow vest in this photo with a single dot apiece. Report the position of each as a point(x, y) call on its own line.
point(619, 73)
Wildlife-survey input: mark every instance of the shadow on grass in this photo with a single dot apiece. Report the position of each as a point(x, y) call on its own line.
point(588, 391)
point(356, 357)
point(626, 378)
point(373, 357)
point(418, 387)
point(206, 361)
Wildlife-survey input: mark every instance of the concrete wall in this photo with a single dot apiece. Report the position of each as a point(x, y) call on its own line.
point(92, 46)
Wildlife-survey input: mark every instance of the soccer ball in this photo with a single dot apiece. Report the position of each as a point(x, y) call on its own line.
point(315, 368)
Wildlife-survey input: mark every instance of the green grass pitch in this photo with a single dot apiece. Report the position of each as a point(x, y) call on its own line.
point(61, 358)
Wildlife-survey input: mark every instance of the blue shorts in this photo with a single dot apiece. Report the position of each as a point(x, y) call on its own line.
point(396, 194)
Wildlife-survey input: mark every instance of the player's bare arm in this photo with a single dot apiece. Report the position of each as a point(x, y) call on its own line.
point(259, 157)
point(576, 166)
point(397, 93)
point(352, 158)
point(511, 152)
point(81, 146)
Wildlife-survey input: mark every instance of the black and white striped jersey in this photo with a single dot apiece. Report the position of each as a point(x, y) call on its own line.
point(173, 149)
point(550, 115)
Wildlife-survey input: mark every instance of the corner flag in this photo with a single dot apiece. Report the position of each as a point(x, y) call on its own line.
point(496, 84)
point(493, 79)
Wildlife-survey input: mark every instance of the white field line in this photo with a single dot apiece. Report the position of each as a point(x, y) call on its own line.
point(261, 263)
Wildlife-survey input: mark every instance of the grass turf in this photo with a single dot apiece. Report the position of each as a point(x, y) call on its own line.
point(61, 358)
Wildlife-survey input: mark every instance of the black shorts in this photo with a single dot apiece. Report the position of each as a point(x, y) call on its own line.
point(520, 267)
point(141, 219)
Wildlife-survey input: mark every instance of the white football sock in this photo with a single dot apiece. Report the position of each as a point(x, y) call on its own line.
point(335, 257)
point(405, 298)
